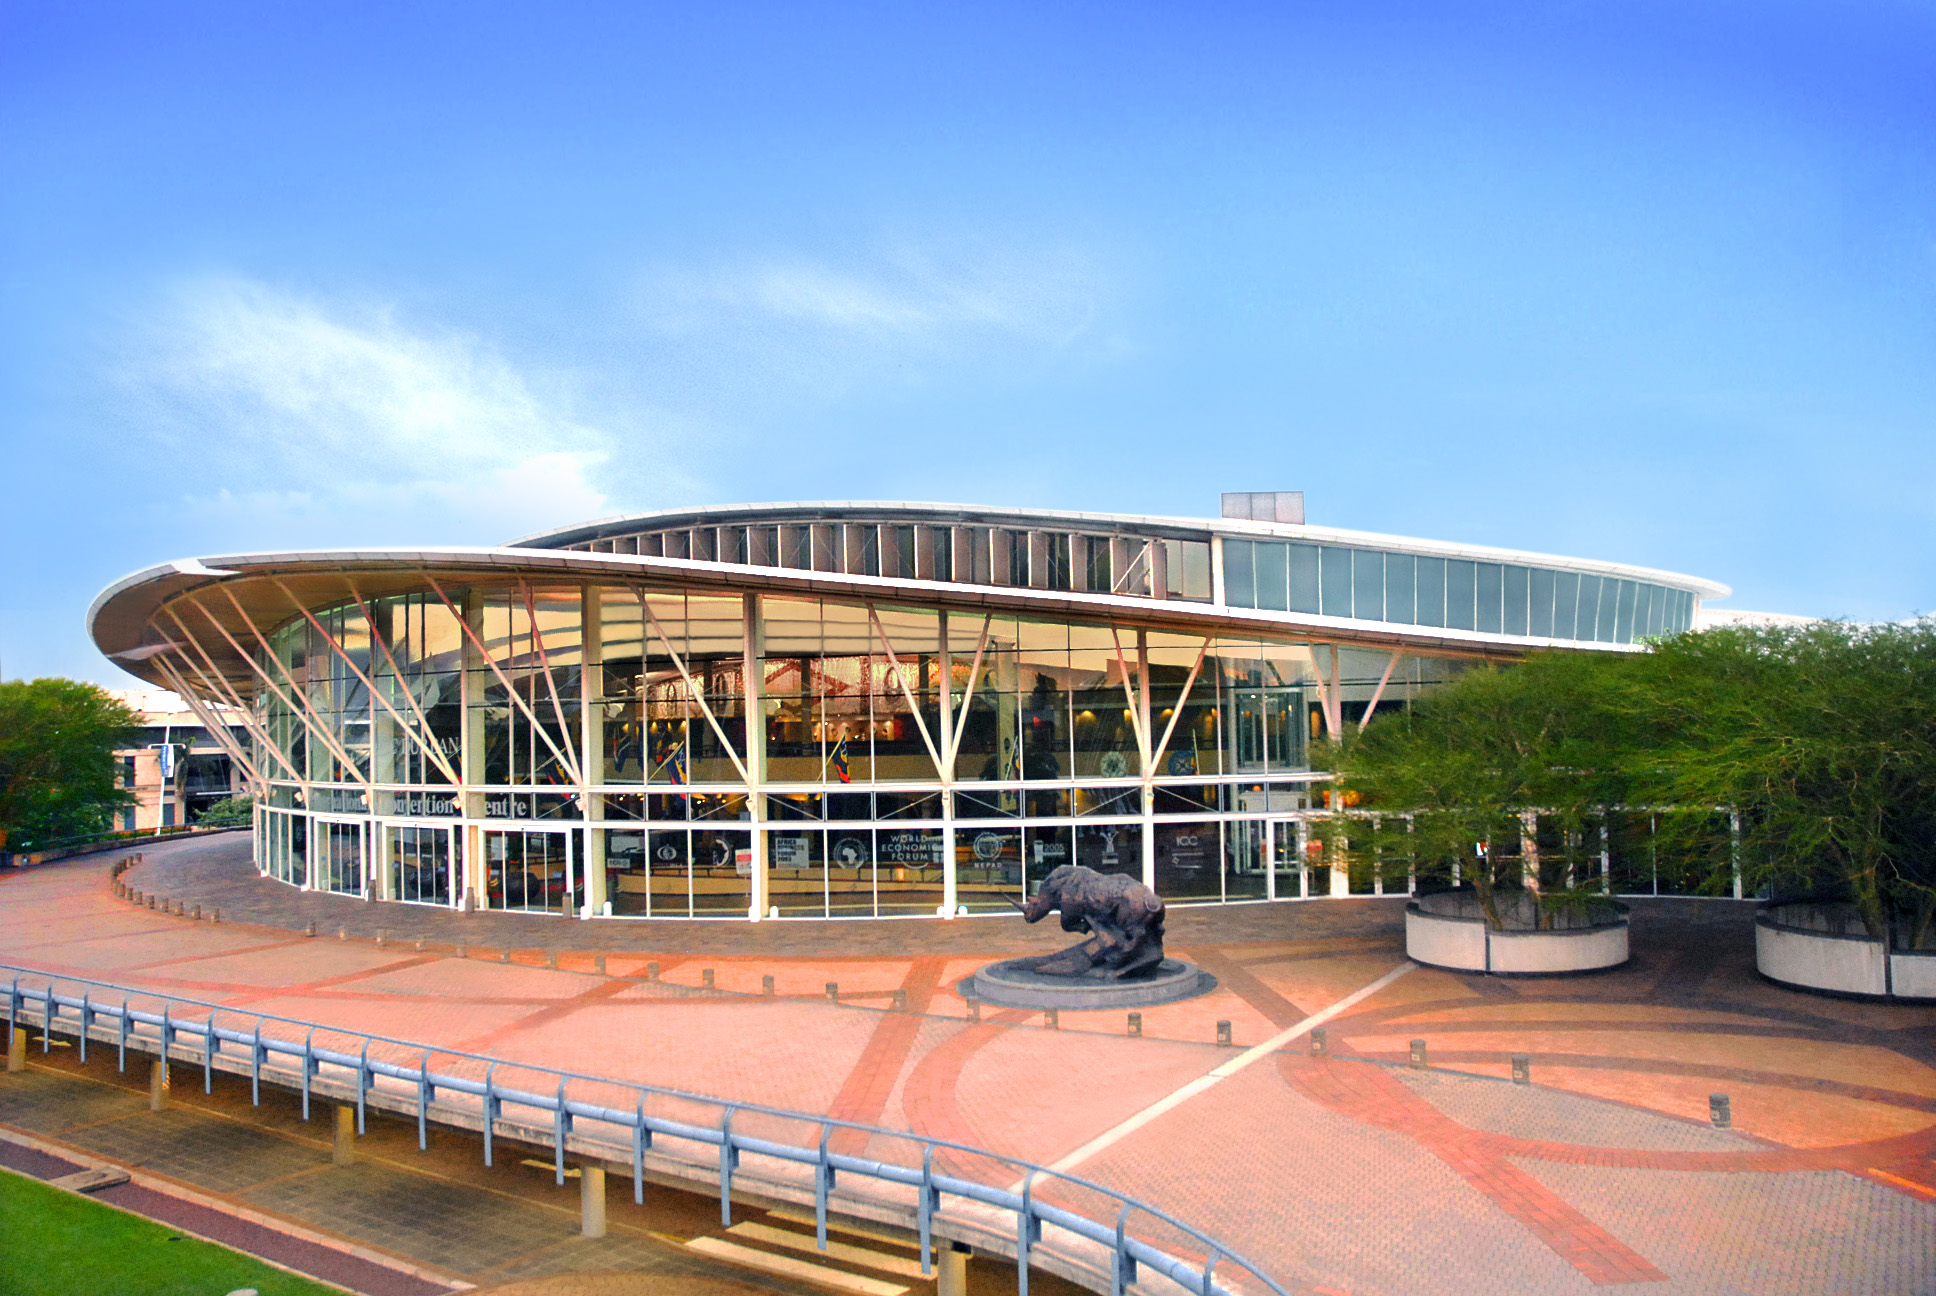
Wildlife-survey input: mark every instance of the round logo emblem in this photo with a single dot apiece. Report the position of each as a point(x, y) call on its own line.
point(1114, 765)
point(988, 847)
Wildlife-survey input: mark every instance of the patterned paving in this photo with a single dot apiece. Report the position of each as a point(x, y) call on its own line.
point(1350, 1174)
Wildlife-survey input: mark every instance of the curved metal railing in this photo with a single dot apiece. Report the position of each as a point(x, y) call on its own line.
point(48, 1003)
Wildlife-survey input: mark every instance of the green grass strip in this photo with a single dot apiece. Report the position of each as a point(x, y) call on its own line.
point(54, 1243)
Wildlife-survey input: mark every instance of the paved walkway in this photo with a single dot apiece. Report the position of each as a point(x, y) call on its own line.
point(1352, 1173)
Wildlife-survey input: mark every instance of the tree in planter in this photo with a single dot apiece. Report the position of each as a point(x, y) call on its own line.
point(233, 812)
point(1466, 762)
point(58, 775)
point(1823, 736)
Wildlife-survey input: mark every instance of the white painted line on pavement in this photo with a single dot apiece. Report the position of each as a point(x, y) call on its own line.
point(1223, 1072)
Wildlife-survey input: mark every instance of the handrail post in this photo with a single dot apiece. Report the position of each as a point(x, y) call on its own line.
point(1028, 1230)
point(425, 1091)
point(930, 1202)
point(308, 1067)
point(728, 1159)
point(1125, 1268)
point(255, 1066)
point(1210, 1265)
point(641, 1139)
point(209, 1047)
point(122, 1060)
point(490, 1110)
point(362, 1084)
point(823, 1182)
point(168, 1038)
point(562, 1128)
point(85, 1015)
point(47, 1019)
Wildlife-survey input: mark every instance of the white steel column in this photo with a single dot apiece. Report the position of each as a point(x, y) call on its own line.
point(754, 703)
point(470, 866)
point(1150, 756)
point(946, 680)
point(591, 717)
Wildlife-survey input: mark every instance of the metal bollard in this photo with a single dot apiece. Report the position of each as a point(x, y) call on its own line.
point(591, 1201)
point(1050, 1019)
point(419, 944)
point(380, 934)
point(1418, 1054)
point(1223, 1034)
point(151, 902)
point(651, 971)
point(706, 979)
point(215, 915)
point(309, 929)
point(551, 959)
point(1522, 1069)
point(342, 1149)
point(1319, 1046)
point(463, 951)
point(342, 933)
point(833, 990)
point(197, 915)
point(598, 965)
point(974, 1010)
point(900, 1001)
point(1719, 1112)
point(505, 955)
point(766, 985)
point(1135, 1025)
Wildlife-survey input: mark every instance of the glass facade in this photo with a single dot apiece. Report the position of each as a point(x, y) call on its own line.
point(502, 736)
point(1452, 593)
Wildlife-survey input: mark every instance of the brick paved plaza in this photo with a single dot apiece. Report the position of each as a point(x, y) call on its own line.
point(1347, 1173)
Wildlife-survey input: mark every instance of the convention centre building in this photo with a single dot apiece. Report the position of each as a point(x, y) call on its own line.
point(834, 710)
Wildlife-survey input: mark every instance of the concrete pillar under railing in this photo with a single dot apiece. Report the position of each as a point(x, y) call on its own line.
point(158, 1085)
point(591, 1201)
point(342, 1149)
point(17, 1050)
point(951, 1270)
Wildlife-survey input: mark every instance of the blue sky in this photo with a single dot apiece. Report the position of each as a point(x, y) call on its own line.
point(1649, 282)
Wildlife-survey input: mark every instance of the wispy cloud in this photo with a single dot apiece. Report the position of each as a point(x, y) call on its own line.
point(919, 312)
point(311, 409)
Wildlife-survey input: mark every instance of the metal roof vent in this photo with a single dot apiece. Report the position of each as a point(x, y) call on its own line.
point(1265, 506)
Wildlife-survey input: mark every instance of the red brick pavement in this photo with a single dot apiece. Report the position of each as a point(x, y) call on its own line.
point(1368, 1093)
point(864, 1096)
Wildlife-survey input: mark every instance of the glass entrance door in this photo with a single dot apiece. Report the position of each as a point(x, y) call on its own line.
point(528, 870)
point(1288, 879)
point(419, 864)
point(1264, 731)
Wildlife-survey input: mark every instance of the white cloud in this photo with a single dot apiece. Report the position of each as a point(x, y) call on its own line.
point(917, 312)
point(312, 411)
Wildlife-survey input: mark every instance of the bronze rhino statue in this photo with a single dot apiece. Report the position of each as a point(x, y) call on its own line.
point(1123, 917)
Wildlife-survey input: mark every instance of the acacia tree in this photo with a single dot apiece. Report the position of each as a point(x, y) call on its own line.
point(1465, 762)
point(1823, 737)
point(58, 775)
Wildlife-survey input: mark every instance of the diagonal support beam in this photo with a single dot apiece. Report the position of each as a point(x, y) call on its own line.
point(368, 683)
point(219, 685)
point(544, 661)
point(216, 730)
point(1378, 693)
point(1189, 682)
point(914, 708)
point(1135, 707)
point(297, 703)
point(409, 694)
point(698, 695)
point(510, 689)
point(968, 694)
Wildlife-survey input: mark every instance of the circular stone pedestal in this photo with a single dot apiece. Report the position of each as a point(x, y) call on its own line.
point(1008, 985)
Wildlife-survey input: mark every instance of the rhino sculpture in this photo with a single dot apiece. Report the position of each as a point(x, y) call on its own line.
point(1123, 917)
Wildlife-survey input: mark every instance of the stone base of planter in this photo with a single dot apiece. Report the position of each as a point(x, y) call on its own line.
point(1824, 949)
point(1450, 931)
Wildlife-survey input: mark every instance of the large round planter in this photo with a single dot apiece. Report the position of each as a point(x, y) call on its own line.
point(1825, 948)
point(1449, 930)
